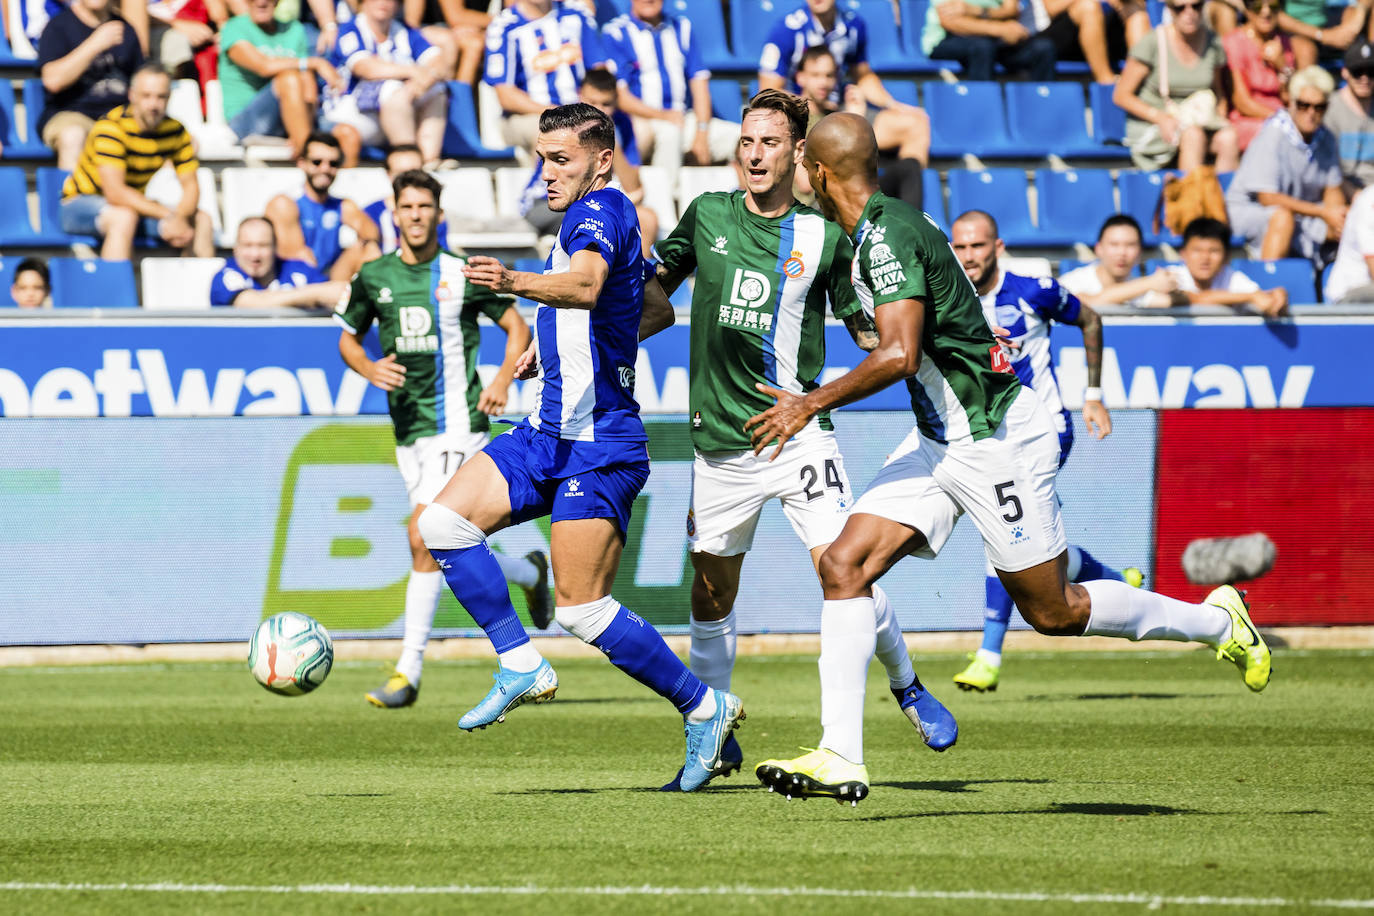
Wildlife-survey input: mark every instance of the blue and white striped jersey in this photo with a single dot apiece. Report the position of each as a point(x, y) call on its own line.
point(587, 358)
point(656, 63)
point(1026, 306)
point(546, 57)
point(402, 45)
point(798, 30)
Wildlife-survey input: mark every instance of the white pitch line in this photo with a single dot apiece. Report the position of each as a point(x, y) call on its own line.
point(1152, 901)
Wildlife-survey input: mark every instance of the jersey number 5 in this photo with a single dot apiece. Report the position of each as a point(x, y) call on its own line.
point(810, 476)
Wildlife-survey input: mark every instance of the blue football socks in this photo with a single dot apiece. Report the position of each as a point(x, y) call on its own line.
point(475, 578)
point(636, 648)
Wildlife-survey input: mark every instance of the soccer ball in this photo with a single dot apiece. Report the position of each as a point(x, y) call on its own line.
point(290, 654)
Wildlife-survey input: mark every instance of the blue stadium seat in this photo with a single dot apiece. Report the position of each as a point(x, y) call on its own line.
point(970, 117)
point(1049, 116)
point(15, 229)
point(89, 283)
point(708, 25)
point(886, 53)
point(1001, 192)
point(750, 23)
point(7, 266)
point(1139, 195)
point(15, 146)
point(914, 14)
point(1066, 204)
point(1294, 274)
point(49, 183)
point(726, 102)
point(462, 139)
point(903, 91)
point(934, 199)
point(34, 100)
point(1109, 120)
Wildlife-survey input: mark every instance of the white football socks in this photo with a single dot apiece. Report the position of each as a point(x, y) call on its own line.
point(891, 647)
point(422, 600)
point(848, 638)
point(1133, 613)
point(712, 657)
point(517, 570)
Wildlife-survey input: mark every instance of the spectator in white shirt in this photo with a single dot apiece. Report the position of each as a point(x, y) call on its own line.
point(1204, 278)
point(1352, 274)
point(1114, 278)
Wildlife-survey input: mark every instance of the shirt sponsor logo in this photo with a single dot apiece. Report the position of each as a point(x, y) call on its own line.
point(888, 278)
point(627, 377)
point(550, 60)
point(880, 253)
point(748, 292)
point(999, 361)
point(416, 323)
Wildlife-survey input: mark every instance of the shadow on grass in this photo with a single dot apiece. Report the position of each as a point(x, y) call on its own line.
point(1061, 697)
point(1108, 809)
point(957, 785)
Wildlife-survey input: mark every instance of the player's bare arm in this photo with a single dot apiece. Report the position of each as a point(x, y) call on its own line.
point(670, 280)
point(1095, 416)
point(492, 400)
point(576, 288)
point(386, 373)
point(658, 312)
point(897, 356)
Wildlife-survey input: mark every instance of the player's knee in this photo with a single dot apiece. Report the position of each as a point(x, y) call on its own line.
point(841, 572)
point(443, 529)
point(587, 621)
point(1053, 618)
point(712, 598)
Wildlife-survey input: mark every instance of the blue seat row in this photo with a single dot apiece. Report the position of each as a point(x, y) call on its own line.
point(24, 144)
point(1294, 274)
point(79, 283)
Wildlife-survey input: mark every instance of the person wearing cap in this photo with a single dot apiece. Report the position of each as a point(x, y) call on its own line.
point(1351, 117)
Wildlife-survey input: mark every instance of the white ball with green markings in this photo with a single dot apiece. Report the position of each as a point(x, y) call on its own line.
point(290, 654)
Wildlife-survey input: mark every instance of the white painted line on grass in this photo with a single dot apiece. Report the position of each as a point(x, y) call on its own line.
point(1153, 901)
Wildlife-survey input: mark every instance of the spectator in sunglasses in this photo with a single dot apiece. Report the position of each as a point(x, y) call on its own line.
point(1286, 199)
point(1351, 117)
point(1173, 94)
point(1261, 59)
point(1308, 23)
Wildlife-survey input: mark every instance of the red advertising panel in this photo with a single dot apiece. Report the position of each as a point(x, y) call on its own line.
point(1303, 477)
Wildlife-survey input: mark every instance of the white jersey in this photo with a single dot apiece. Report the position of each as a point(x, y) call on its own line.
point(1084, 281)
point(1351, 270)
point(1229, 280)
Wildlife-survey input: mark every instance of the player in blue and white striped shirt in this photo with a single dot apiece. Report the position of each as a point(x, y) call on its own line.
point(658, 61)
point(1026, 307)
point(580, 458)
point(538, 52)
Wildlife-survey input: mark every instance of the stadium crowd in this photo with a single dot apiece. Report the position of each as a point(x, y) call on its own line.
point(1249, 126)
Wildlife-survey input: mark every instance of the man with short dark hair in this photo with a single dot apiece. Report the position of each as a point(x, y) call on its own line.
point(1351, 116)
point(427, 321)
point(1114, 278)
point(580, 458)
point(1023, 309)
point(731, 240)
point(1204, 277)
point(104, 194)
point(983, 445)
point(401, 158)
point(255, 278)
point(308, 226)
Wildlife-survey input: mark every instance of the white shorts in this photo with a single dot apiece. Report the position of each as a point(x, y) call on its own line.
point(729, 490)
point(427, 464)
point(1005, 482)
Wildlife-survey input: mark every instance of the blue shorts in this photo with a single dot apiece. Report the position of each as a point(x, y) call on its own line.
point(569, 480)
point(78, 216)
point(260, 117)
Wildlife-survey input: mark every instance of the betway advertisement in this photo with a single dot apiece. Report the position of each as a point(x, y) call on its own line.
point(143, 530)
point(244, 367)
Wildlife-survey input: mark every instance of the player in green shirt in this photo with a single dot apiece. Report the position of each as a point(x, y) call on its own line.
point(765, 266)
point(426, 314)
point(983, 444)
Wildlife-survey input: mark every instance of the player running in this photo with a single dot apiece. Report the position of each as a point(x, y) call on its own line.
point(581, 457)
point(765, 265)
point(983, 444)
point(1024, 307)
point(426, 315)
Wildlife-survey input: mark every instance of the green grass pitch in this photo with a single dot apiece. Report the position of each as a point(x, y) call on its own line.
point(1088, 783)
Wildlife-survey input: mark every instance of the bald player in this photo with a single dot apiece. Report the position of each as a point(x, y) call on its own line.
point(983, 444)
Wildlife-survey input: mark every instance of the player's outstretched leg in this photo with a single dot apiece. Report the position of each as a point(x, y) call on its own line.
point(469, 566)
point(422, 599)
point(933, 721)
point(985, 666)
point(637, 649)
